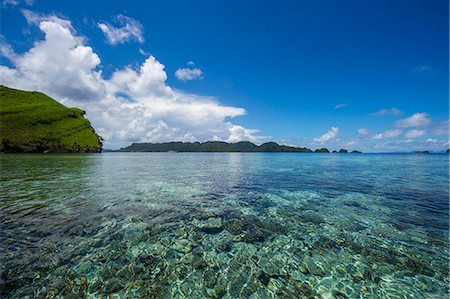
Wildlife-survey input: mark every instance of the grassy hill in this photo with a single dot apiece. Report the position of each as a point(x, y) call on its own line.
point(34, 122)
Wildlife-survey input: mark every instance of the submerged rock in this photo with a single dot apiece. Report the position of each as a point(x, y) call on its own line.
point(253, 230)
point(113, 285)
point(339, 295)
point(211, 230)
point(182, 245)
point(147, 259)
point(210, 222)
point(305, 289)
point(313, 268)
point(264, 278)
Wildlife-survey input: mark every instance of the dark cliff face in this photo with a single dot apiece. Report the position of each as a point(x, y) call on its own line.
point(33, 122)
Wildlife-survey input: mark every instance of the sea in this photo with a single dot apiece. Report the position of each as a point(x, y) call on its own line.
point(224, 225)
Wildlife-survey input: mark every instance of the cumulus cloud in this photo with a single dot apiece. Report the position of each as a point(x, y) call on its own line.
point(333, 133)
point(417, 120)
point(363, 132)
point(60, 62)
point(186, 74)
point(238, 133)
point(388, 111)
point(130, 30)
point(339, 106)
point(415, 133)
point(134, 105)
point(387, 134)
point(189, 73)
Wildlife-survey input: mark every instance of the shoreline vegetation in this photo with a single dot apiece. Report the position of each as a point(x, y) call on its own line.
point(221, 146)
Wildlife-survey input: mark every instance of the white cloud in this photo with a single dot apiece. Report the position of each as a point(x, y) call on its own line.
point(34, 18)
point(16, 2)
point(414, 133)
point(387, 134)
point(412, 145)
point(130, 30)
point(238, 133)
point(339, 106)
point(415, 121)
point(386, 111)
point(424, 69)
point(134, 105)
point(10, 2)
point(442, 129)
point(6, 50)
point(333, 133)
point(363, 132)
point(187, 74)
point(351, 143)
point(60, 62)
point(143, 52)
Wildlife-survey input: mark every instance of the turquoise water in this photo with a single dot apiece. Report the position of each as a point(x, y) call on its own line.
point(232, 225)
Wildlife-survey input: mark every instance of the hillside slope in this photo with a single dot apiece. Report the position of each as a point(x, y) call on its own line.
point(34, 122)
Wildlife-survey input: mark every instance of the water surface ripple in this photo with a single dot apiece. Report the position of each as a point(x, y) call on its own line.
point(231, 225)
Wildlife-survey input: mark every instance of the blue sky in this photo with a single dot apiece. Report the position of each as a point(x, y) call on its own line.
point(368, 75)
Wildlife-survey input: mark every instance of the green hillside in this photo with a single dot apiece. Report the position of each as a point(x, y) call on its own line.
point(34, 122)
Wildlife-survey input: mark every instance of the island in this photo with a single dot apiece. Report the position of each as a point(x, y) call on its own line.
point(213, 146)
point(32, 122)
point(218, 146)
point(322, 150)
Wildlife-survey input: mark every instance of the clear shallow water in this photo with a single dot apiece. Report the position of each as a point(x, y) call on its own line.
point(237, 225)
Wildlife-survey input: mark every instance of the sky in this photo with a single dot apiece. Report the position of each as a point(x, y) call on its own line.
point(355, 74)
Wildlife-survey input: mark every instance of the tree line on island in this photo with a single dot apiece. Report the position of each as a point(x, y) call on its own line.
point(221, 146)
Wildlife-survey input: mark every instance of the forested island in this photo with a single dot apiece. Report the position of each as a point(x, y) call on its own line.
point(221, 146)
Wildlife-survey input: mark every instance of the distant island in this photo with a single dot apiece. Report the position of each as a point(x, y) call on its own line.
point(32, 122)
point(221, 146)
